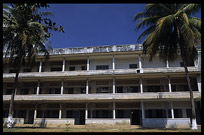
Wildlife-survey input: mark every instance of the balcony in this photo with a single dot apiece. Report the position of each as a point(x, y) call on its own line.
point(105, 97)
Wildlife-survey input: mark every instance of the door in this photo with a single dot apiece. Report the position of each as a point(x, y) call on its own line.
point(30, 116)
point(136, 117)
point(82, 117)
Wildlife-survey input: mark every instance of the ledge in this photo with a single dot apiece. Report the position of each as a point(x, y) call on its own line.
point(105, 97)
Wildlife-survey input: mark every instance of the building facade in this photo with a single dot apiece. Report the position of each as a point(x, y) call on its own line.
point(103, 85)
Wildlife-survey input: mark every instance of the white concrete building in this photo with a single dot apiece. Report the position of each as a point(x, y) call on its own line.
point(103, 85)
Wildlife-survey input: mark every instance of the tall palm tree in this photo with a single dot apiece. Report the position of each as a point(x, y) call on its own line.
point(171, 31)
point(25, 35)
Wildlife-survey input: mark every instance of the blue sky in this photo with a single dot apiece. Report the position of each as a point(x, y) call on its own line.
point(95, 24)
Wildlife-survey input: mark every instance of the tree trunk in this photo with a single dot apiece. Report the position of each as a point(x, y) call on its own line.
point(184, 58)
point(10, 121)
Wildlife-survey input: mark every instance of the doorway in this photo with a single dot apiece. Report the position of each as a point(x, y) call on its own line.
point(29, 117)
point(136, 117)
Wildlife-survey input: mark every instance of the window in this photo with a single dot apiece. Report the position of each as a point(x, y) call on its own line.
point(56, 69)
point(134, 89)
point(155, 113)
point(12, 71)
point(9, 91)
point(178, 113)
point(119, 113)
point(24, 91)
point(54, 90)
point(71, 68)
point(153, 89)
point(83, 90)
point(83, 67)
point(181, 64)
point(51, 114)
point(70, 90)
point(69, 114)
point(102, 67)
point(132, 65)
point(39, 113)
point(27, 70)
point(101, 114)
point(120, 89)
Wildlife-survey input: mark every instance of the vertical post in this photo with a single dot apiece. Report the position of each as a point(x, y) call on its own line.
point(86, 112)
point(167, 64)
point(114, 110)
point(38, 88)
point(142, 109)
point(169, 81)
point(140, 64)
point(113, 62)
point(62, 87)
point(172, 111)
point(88, 61)
point(113, 85)
point(87, 86)
point(198, 78)
point(40, 67)
point(63, 65)
point(141, 85)
point(35, 112)
point(60, 112)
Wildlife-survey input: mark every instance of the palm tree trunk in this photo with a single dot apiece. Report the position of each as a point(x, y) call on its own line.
point(10, 121)
point(184, 58)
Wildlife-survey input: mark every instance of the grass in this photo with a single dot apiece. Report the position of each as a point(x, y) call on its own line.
point(89, 129)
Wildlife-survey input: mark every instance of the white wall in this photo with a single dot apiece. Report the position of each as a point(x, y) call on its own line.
point(123, 63)
point(94, 62)
point(155, 63)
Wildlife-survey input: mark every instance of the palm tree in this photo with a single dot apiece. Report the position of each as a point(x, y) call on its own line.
point(171, 31)
point(25, 35)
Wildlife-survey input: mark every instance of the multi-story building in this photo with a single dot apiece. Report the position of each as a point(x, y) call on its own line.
point(103, 85)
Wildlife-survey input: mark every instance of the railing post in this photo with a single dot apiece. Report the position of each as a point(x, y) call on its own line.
point(113, 85)
point(63, 65)
point(141, 85)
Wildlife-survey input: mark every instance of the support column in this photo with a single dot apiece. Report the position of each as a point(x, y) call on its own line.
point(167, 64)
point(169, 81)
point(141, 85)
point(35, 112)
point(86, 112)
point(140, 64)
point(114, 110)
point(113, 62)
point(87, 86)
point(40, 67)
point(142, 109)
point(88, 60)
point(198, 78)
point(38, 88)
point(60, 112)
point(62, 87)
point(113, 85)
point(172, 111)
point(63, 65)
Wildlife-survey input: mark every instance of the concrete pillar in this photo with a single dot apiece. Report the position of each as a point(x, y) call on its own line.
point(172, 110)
point(141, 85)
point(40, 67)
point(167, 64)
point(142, 109)
point(86, 112)
point(114, 110)
point(60, 112)
point(113, 85)
point(63, 65)
point(87, 86)
point(62, 87)
point(140, 62)
point(35, 112)
point(88, 60)
point(169, 82)
point(198, 77)
point(38, 88)
point(113, 62)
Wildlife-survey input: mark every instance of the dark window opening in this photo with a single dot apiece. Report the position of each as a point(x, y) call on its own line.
point(9, 91)
point(153, 89)
point(71, 68)
point(83, 67)
point(134, 89)
point(132, 65)
point(120, 89)
point(56, 69)
point(102, 67)
point(27, 70)
point(178, 113)
point(24, 91)
point(12, 71)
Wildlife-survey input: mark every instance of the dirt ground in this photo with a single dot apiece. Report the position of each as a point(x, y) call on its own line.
point(83, 128)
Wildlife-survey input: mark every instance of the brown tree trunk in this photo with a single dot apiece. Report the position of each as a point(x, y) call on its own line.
point(185, 62)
